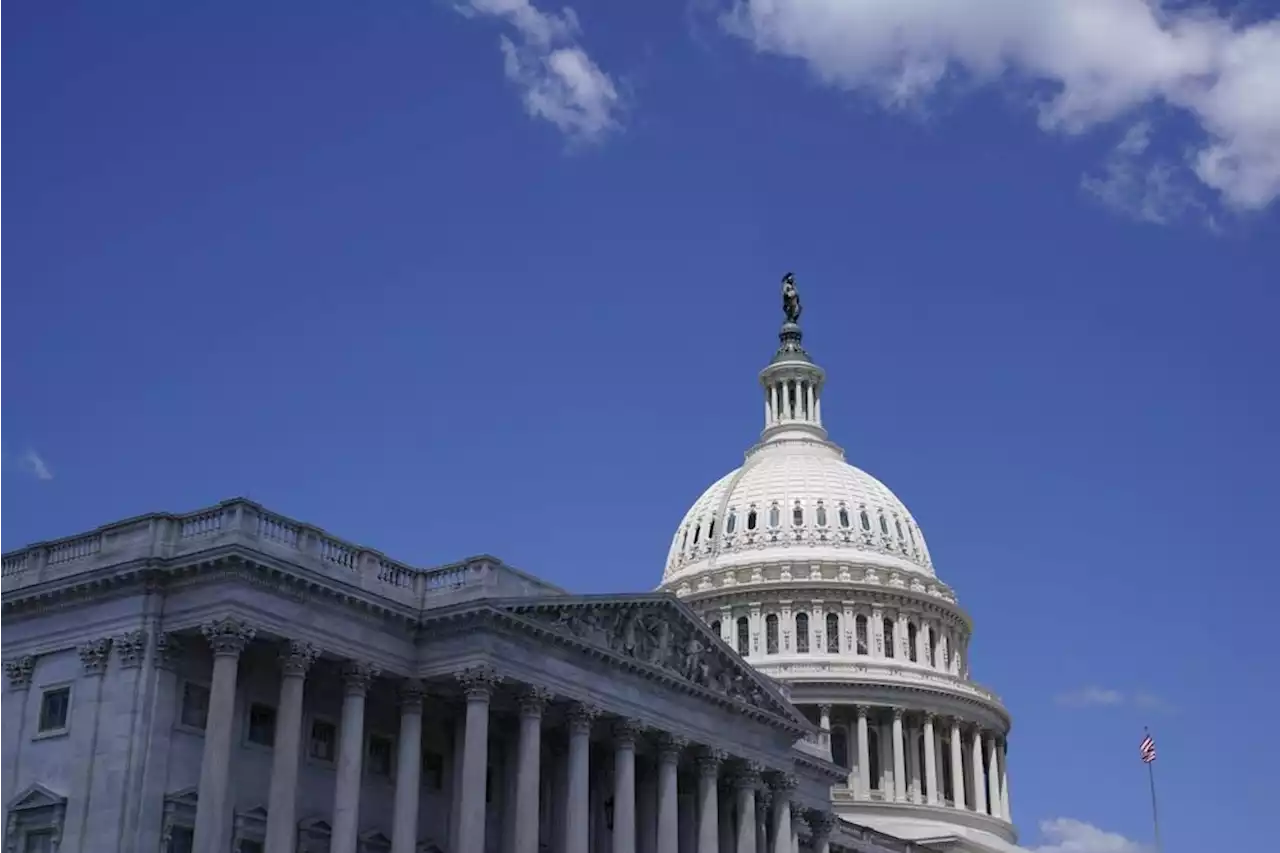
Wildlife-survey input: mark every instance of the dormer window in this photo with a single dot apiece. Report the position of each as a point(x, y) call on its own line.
point(821, 515)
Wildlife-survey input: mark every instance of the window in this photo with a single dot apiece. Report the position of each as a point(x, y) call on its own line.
point(195, 705)
point(884, 525)
point(684, 543)
point(324, 737)
point(802, 633)
point(752, 520)
point(731, 522)
point(844, 516)
point(888, 638)
point(898, 525)
point(432, 770)
point(860, 626)
point(711, 528)
point(744, 636)
point(182, 839)
point(821, 514)
point(840, 747)
point(697, 531)
point(380, 749)
point(921, 771)
point(933, 648)
point(948, 793)
point(797, 516)
point(39, 841)
point(771, 634)
point(866, 522)
point(262, 725)
point(774, 516)
point(833, 633)
point(912, 634)
point(873, 756)
point(55, 705)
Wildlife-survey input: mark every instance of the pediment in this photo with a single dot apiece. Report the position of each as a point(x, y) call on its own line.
point(36, 796)
point(661, 632)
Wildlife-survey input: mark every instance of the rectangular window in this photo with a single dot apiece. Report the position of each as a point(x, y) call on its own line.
point(39, 841)
point(432, 770)
point(55, 705)
point(195, 705)
point(324, 736)
point(380, 749)
point(182, 839)
point(262, 724)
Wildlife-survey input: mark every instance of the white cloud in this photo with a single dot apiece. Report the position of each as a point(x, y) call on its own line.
point(1134, 185)
point(559, 82)
point(1065, 835)
point(1095, 61)
point(1093, 696)
point(34, 464)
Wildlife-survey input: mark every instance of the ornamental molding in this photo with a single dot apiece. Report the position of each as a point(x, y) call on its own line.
point(19, 671)
point(131, 648)
point(834, 598)
point(94, 655)
point(227, 636)
point(357, 675)
point(297, 656)
point(478, 682)
point(658, 634)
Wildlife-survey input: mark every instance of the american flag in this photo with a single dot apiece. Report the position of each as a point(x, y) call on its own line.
point(1148, 748)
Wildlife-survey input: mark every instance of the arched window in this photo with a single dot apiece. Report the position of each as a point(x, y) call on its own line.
point(744, 636)
point(684, 543)
point(844, 516)
point(840, 747)
point(933, 648)
point(833, 633)
point(898, 524)
point(911, 533)
point(873, 754)
point(751, 520)
point(771, 634)
point(860, 625)
point(797, 515)
point(912, 634)
point(888, 638)
point(731, 522)
point(711, 529)
point(715, 627)
point(884, 525)
point(802, 633)
point(822, 515)
point(696, 532)
point(866, 521)
point(774, 516)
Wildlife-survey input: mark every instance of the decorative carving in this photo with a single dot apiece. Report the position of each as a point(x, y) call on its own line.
point(625, 731)
point(131, 648)
point(19, 671)
point(670, 746)
point(747, 775)
point(783, 783)
point(411, 693)
point(897, 714)
point(228, 636)
point(863, 710)
point(356, 676)
point(651, 635)
point(94, 656)
point(297, 657)
point(478, 682)
point(534, 701)
point(581, 716)
point(709, 761)
point(821, 823)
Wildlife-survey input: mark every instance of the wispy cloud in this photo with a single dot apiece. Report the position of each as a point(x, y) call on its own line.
point(1090, 62)
point(558, 81)
point(33, 463)
point(1067, 835)
point(1139, 186)
point(1104, 697)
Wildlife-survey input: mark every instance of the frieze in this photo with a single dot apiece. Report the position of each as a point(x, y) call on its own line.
point(654, 635)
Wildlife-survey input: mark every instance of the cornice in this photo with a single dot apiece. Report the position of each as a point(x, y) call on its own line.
point(832, 591)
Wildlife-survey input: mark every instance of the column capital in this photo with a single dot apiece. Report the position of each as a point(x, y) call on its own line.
point(928, 718)
point(898, 714)
point(478, 682)
point(863, 711)
point(534, 700)
point(227, 636)
point(131, 648)
point(747, 775)
point(356, 676)
point(94, 655)
point(581, 716)
point(297, 656)
point(411, 692)
point(783, 783)
point(626, 731)
point(670, 746)
point(709, 761)
point(820, 823)
point(824, 708)
point(19, 671)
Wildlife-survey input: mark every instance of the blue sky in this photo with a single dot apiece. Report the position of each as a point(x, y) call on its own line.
point(500, 282)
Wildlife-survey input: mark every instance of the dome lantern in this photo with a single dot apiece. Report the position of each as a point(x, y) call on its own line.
point(792, 383)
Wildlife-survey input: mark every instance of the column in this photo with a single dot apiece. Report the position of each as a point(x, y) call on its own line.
point(930, 762)
point(957, 765)
point(820, 826)
point(404, 821)
point(228, 638)
point(1004, 782)
point(478, 684)
point(577, 803)
point(864, 754)
point(282, 801)
point(899, 760)
point(979, 789)
point(624, 786)
point(19, 672)
point(913, 764)
point(764, 800)
point(993, 777)
point(533, 702)
point(796, 822)
point(824, 725)
point(744, 785)
point(669, 747)
point(356, 676)
point(708, 802)
point(782, 786)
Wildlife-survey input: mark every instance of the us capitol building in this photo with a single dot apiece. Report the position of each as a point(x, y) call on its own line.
point(231, 679)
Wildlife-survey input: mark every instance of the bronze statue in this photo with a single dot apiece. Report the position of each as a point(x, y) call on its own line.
point(790, 298)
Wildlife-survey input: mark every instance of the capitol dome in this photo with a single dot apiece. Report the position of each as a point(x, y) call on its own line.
point(819, 576)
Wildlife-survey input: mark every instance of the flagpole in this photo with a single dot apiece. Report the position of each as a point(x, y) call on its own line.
point(1155, 816)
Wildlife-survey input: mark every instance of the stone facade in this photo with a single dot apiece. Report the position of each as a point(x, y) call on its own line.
point(234, 680)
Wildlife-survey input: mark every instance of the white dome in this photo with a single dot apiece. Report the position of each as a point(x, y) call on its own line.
point(845, 515)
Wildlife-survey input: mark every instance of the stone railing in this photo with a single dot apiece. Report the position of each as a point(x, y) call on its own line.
point(205, 533)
